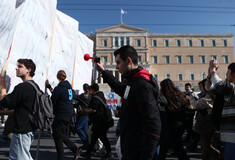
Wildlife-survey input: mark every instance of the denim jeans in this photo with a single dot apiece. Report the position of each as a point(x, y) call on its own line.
point(82, 127)
point(229, 150)
point(20, 146)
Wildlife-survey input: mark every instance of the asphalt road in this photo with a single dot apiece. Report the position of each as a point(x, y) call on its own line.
point(47, 149)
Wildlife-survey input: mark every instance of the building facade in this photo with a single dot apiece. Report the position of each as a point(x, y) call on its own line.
point(181, 57)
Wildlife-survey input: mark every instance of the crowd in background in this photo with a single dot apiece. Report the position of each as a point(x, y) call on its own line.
point(152, 119)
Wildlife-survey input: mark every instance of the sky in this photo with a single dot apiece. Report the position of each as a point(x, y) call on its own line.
point(158, 16)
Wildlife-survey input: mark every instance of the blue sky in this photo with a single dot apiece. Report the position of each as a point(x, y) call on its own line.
point(181, 16)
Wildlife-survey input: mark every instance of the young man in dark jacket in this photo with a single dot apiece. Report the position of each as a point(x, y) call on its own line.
point(22, 101)
point(97, 116)
point(140, 123)
point(82, 118)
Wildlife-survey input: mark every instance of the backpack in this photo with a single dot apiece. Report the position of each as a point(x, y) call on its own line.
point(80, 103)
point(108, 114)
point(42, 114)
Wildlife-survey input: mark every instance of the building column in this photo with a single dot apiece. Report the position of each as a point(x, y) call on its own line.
point(113, 60)
point(113, 41)
point(146, 57)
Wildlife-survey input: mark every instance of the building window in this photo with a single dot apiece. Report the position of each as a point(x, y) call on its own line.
point(225, 59)
point(104, 59)
point(167, 59)
point(105, 44)
point(203, 75)
point(213, 42)
point(203, 59)
point(168, 76)
point(214, 57)
point(190, 43)
point(155, 59)
point(180, 77)
point(154, 43)
point(191, 60)
point(166, 42)
point(127, 40)
point(116, 41)
point(178, 44)
point(202, 43)
point(156, 76)
point(138, 42)
point(225, 43)
point(192, 77)
point(139, 58)
point(122, 41)
point(179, 59)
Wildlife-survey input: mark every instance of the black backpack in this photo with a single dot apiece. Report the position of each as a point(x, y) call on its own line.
point(42, 115)
point(108, 115)
point(81, 103)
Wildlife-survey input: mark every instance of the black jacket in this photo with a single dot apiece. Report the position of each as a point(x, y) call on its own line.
point(22, 101)
point(98, 118)
point(62, 99)
point(140, 123)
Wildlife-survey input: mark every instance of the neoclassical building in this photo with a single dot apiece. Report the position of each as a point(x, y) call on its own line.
point(181, 57)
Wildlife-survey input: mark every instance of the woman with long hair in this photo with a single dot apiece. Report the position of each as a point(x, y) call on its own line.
point(175, 111)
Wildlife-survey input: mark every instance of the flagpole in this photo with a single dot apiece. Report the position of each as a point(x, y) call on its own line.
point(121, 15)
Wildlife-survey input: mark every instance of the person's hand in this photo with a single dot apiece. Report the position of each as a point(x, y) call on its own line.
point(2, 83)
point(47, 82)
point(100, 66)
point(116, 112)
point(89, 110)
point(213, 65)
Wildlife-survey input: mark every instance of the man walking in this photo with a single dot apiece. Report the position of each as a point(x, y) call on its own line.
point(82, 117)
point(140, 122)
point(227, 89)
point(22, 101)
point(97, 117)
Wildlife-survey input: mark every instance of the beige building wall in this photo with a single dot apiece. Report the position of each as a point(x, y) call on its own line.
point(152, 45)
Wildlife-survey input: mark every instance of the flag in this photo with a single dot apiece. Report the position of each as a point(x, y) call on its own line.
point(123, 12)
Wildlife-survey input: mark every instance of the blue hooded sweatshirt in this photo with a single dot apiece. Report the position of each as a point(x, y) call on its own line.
point(62, 99)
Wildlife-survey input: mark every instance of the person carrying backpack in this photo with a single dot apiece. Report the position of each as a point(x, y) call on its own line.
point(62, 99)
point(21, 99)
point(97, 114)
point(82, 118)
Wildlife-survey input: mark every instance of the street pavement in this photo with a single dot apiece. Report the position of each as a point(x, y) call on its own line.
point(47, 149)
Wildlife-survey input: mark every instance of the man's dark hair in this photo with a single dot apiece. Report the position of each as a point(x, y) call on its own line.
point(188, 84)
point(28, 63)
point(127, 51)
point(203, 82)
point(232, 67)
point(85, 87)
point(94, 86)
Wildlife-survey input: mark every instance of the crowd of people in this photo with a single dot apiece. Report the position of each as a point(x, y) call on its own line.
point(152, 119)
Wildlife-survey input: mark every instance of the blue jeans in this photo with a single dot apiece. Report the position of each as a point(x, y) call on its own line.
point(20, 146)
point(82, 127)
point(229, 150)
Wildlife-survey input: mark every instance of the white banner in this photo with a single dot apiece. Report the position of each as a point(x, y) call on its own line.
point(35, 30)
point(31, 38)
point(83, 69)
point(63, 49)
point(10, 12)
